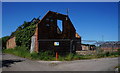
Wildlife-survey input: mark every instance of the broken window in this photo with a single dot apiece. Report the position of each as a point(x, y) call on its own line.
point(59, 23)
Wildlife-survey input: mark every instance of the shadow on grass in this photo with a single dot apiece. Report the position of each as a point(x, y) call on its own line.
point(7, 63)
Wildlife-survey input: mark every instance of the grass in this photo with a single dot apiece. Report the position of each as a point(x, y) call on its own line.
point(23, 52)
point(50, 56)
point(18, 51)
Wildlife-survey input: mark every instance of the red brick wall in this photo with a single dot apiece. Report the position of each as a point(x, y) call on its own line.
point(11, 43)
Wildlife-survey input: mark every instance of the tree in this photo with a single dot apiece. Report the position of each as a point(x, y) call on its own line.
point(4, 40)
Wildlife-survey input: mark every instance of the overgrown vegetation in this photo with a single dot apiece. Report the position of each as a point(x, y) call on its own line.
point(23, 52)
point(4, 40)
point(23, 37)
point(19, 51)
point(50, 56)
point(24, 33)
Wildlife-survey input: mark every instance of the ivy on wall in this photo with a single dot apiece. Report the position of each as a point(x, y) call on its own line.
point(24, 33)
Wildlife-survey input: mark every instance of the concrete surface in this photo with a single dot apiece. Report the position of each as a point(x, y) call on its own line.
point(15, 63)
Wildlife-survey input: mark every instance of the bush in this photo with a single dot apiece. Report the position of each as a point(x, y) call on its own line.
point(47, 55)
point(119, 51)
point(107, 54)
point(69, 57)
point(34, 56)
point(77, 57)
point(115, 54)
point(60, 58)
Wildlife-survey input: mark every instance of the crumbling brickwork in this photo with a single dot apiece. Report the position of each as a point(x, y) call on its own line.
point(48, 30)
point(11, 43)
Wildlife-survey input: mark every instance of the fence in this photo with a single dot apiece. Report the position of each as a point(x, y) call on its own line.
point(95, 47)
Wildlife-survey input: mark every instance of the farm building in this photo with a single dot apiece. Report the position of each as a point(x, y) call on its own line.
point(49, 36)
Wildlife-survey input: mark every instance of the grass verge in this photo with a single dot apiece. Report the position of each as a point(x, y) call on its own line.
point(50, 56)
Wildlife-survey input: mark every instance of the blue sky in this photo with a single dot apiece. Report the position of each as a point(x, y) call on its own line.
point(92, 20)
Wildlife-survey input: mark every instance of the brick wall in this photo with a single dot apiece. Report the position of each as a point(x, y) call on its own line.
point(11, 43)
point(86, 52)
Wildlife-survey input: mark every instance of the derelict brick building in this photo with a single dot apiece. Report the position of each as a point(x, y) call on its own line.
point(47, 33)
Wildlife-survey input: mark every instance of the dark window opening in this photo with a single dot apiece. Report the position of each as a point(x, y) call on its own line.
point(51, 20)
point(47, 19)
point(47, 25)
